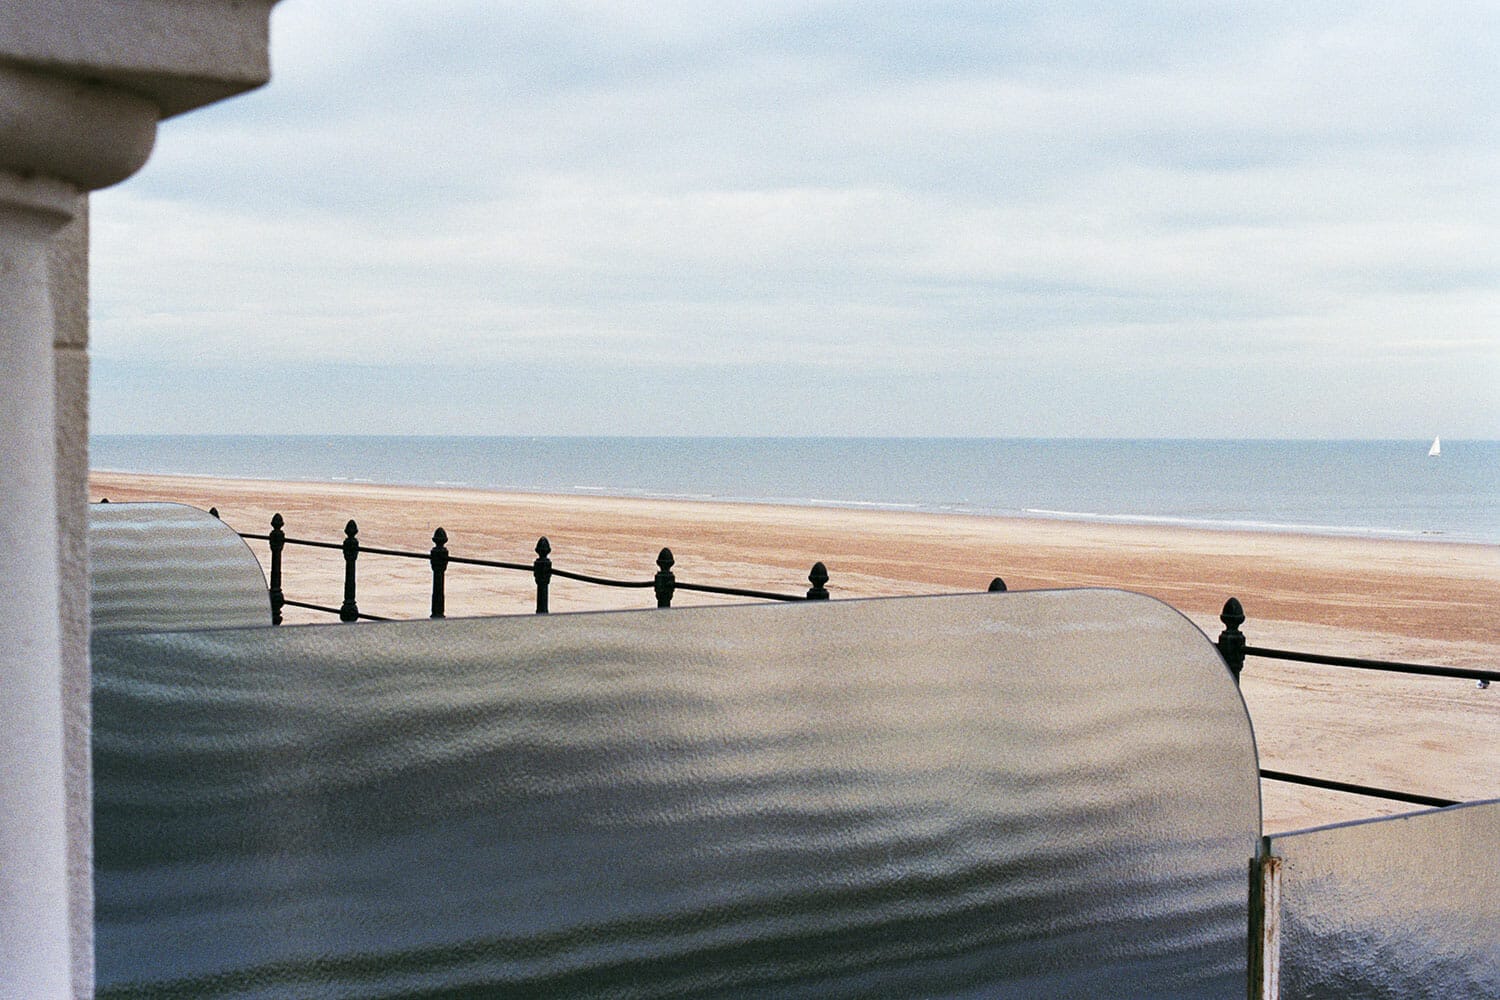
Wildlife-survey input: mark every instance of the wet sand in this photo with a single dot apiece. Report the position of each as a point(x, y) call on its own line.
point(1408, 600)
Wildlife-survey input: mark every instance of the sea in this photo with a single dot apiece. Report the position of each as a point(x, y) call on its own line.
point(1376, 489)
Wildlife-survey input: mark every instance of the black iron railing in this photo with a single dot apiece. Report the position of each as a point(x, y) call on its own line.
point(664, 583)
point(1234, 648)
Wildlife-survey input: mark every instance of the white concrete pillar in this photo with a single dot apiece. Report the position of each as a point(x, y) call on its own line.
point(68, 270)
point(35, 932)
point(82, 86)
point(59, 137)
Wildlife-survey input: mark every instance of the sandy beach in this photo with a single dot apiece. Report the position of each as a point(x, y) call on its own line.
point(1409, 600)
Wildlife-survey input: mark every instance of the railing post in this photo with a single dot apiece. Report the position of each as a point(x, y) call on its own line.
point(1232, 640)
point(666, 583)
point(439, 559)
point(541, 570)
point(818, 577)
point(278, 542)
point(349, 610)
point(997, 586)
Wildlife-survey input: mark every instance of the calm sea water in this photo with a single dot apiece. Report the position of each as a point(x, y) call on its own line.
point(1371, 488)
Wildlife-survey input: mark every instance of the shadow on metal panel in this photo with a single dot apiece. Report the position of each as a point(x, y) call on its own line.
point(1406, 906)
point(161, 566)
point(1013, 795)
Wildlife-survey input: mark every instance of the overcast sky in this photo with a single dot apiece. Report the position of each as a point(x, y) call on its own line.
point(918, 218)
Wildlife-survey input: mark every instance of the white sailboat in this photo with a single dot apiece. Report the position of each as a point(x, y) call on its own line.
point(1436, 449)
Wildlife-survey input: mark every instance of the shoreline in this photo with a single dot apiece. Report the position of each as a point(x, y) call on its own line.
point(1412, 600)
point(131, 480)
point(1086, 518)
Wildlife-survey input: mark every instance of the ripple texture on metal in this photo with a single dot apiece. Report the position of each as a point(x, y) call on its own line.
point(165, 566)
point(1407, 906)
point(1001, 795)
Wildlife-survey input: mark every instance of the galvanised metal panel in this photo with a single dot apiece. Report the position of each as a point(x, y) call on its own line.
point(1401, 907)
point(165, 566)
point(996, 795)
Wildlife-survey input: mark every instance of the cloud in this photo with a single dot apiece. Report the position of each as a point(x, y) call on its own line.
point(851, 191)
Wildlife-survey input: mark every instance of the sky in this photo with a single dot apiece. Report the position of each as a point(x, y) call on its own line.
point(1050, 219)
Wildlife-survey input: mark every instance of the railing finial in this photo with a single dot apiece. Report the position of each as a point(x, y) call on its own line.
point(665, 582)
point(1232, 641)
point(818, 577)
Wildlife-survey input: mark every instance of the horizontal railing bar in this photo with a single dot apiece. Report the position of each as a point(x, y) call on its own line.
point(466, 560)
point(363, 548)
point(584, 578)
point(287, 602)
point(704, 588)
point(304, 541)
point(524, 567)
point(1344, 786)
point(311, 607)
point(338, 545)
point(1391, 666)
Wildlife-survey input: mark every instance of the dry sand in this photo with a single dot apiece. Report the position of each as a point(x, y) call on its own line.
point(1417, 601)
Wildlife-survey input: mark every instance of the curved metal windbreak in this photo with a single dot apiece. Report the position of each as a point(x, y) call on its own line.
point(170, 566)
point(1034, 794)
point(1406, 906)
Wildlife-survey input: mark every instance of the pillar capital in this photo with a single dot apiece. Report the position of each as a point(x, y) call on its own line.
point(75, 133)
point(176, 54)
point(84, 82)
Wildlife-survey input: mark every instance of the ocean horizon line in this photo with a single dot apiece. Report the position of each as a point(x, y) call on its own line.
point(416, 436)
